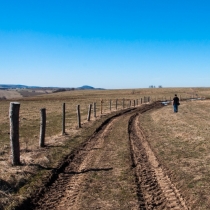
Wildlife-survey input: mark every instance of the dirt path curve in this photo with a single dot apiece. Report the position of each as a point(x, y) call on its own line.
point(90, 163)
point(114, 169)
point(92, 179)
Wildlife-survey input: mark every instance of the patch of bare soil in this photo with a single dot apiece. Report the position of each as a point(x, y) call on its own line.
point(113, 169)
point(35, 92)
point(9, 94)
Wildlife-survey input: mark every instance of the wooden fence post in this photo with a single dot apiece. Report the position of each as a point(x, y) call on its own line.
point(116, 104)
point(134, 103)
point(101, 106)
point(123, 103)
point(110, 105)
point(141, 100)
point(64, 118)
point(130, 104)
point(14, 132)
point(42, 127)
point(94, 109)
point(78, 116)
point(137, 102)
point(89, 112)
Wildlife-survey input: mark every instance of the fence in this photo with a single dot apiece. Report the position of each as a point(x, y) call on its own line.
point(103, 108)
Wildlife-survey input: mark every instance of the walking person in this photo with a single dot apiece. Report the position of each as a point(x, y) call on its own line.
point(176, 103)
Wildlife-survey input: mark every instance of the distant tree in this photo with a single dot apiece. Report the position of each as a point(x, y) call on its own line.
point(160, 86)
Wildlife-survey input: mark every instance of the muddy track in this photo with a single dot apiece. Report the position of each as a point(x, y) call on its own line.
point(66, 185)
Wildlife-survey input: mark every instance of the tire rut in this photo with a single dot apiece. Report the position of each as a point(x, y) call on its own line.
point(73, 189)
point(65, 190)
point(155, 190)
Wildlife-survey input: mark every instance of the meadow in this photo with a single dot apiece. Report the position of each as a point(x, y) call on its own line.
point(180, 141)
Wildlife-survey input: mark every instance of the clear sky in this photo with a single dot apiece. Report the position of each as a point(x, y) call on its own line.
point(110, 44)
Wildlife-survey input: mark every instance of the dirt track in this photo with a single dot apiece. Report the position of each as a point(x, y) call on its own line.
point(155, 188)
point(114, 169)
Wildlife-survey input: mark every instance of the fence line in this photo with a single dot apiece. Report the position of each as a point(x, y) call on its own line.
point(14, 119)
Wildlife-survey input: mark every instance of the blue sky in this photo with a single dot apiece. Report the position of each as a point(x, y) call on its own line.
point(104, 43)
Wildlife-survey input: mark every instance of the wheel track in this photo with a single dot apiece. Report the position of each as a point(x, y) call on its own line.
point(155, 188)
point(68, 186)
point(74, 188)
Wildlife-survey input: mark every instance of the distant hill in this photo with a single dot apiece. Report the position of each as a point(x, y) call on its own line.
point(17, 86)
point(87, 87)
point(84, 87)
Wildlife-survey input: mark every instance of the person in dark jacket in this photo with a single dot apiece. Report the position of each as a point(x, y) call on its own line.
point(175, 103)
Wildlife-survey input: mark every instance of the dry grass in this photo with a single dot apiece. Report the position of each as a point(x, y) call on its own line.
point(181, 142)
point(35, 160)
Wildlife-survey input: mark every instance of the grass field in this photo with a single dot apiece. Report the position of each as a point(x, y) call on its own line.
point(181, 141)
